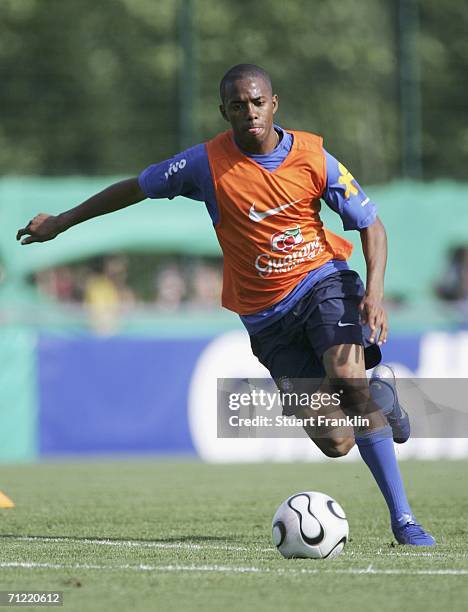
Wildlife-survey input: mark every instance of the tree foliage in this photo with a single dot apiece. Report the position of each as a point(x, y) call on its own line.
point(92, 87)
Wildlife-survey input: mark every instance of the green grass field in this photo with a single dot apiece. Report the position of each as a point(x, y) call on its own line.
point(179, 535)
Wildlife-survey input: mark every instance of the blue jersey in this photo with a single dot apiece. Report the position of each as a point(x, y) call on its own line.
point(188, 174)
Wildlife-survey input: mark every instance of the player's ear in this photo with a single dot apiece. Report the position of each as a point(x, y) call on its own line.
point(275, 102)
point(222, 110)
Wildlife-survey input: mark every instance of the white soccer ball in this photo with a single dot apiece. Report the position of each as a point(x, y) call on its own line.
point(310, 525)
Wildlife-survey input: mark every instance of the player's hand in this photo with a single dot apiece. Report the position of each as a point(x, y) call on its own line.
point(40, 229)
point(373, 313)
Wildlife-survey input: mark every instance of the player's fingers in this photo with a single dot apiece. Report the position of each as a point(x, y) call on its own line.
point(363, 313)
point(372, 322)
point(383, 331)
point(21, 232)
point(380, 325)
point(26, 229)
point(382, 336)
point(29, 240)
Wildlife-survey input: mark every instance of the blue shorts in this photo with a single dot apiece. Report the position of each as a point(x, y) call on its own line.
point(328, 315)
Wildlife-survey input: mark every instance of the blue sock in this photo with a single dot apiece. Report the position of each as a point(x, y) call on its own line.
point(376, 448)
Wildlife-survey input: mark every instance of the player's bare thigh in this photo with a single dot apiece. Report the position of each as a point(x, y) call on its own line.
point(345, 369)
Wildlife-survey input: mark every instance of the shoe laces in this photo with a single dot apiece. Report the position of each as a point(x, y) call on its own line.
point(414, 530)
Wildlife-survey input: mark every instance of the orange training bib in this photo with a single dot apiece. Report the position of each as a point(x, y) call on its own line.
point(269, 225)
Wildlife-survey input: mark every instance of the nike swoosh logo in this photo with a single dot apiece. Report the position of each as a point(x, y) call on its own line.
point(254, 215)
point(340, 324)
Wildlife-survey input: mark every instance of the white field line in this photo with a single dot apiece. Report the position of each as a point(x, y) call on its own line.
point(223, 547)
point(139, 544)
point(409, 553)
point(228, 569)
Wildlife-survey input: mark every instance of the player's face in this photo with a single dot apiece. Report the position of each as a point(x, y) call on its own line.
point(249, 107)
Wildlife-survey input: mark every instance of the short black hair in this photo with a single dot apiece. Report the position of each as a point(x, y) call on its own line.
point(242, 71)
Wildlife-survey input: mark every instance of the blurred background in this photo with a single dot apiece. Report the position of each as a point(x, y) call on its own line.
point(112, 335)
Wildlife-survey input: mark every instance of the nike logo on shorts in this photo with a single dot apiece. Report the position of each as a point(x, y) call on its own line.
point(341, 324)
point(254, 215)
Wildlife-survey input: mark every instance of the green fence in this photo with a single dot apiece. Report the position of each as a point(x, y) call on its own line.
point(423, 221)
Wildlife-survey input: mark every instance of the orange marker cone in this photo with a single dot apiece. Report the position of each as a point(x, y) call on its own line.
point(5, 501)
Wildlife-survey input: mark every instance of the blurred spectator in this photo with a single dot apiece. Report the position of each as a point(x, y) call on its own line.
point(454, 284)
point(106, 294)
point(108, 286)
point(171, 287)
point(206, 286)
point(57, 283)
point(81, 274)
point(116, 270)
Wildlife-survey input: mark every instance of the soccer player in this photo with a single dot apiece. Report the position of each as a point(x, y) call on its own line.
point(308, 315)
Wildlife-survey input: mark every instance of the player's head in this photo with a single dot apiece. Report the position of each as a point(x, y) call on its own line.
point(248, 103)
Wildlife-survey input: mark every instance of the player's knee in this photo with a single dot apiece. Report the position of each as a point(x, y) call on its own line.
point(354, 393)
point(347, 373)
point(338, 447)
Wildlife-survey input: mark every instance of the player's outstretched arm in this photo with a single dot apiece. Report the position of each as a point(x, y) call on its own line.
point(45, 227)
point(374, 246)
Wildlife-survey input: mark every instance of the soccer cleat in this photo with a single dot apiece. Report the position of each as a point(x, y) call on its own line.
point(413, 534)
point(383, 391)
